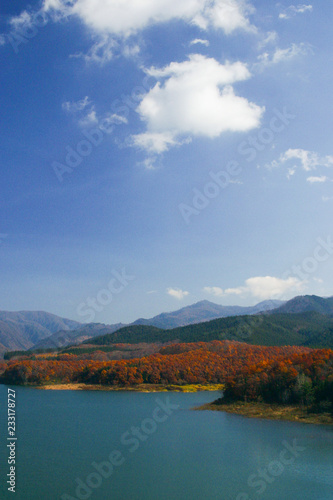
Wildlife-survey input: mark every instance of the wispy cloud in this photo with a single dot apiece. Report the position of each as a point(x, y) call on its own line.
point(293, 10)
point(199, 41)
point(307, 160)
point(177, 293)
point(101, 52)
point(76, 106)
point(214, 290)
point(282, 55)
point(270, 38)
point(320, 179)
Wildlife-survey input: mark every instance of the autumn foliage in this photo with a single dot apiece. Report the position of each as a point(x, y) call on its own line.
point(288, 374)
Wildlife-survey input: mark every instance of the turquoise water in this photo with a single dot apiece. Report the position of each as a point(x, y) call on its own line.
point(160, 449)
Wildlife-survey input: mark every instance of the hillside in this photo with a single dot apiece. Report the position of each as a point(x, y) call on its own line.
point(304, 303)
point(195, 313)
point(309, 329)
point(41, 330)
point(74, 337)
point(23, 329)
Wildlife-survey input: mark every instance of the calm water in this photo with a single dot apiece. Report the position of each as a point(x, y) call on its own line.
point(159, 452)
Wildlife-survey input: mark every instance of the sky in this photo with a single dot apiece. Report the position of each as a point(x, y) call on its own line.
point(155, 153)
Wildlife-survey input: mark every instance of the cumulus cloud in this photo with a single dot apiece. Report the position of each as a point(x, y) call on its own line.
point(123, 18)
point(194, 98)
point(292, 10)
point(265, 287)
point(307, 160)
point(260, 287)
point(177, 293)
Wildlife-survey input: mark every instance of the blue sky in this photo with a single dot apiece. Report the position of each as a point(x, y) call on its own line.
point(156, 153)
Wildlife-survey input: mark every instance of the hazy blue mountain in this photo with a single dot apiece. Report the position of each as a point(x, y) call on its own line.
point(65, 338)
point(40, 330)
point(204, 311)
point(23, 329)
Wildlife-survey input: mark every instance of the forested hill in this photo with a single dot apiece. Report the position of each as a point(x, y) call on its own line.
point(305, 303)
point(309, 329)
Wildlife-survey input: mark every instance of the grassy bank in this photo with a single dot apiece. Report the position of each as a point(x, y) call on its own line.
point(136, 388)
point(271, 411)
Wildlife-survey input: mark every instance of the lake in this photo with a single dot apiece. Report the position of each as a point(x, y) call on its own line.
point(153, 446)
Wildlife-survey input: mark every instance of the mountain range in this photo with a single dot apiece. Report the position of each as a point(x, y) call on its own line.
point(40, 330)
point(309, 329)
point(195, 313)
point(24, 329)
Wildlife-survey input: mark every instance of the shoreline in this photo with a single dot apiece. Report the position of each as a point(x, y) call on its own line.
point(267, 411)
point(289, 413)
point(133, 388)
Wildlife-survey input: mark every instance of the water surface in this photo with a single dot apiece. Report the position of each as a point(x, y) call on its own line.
point(180, 454)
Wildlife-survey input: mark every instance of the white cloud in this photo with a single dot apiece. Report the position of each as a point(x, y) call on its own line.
point(177, 293)
point(86, 115)
point(123, 18)
point(261, 287)
point(2, 40)
point(292, 10)
point(326, 198)
point(101, 52)
point(194, 98)
point(271, 37)
point(114, 118)
point(84, 108)
point(23, 19)
point(214, 290)
point(199, 41)
point(76, 106)
point(265, 287)
point(322, 178)
point(155, 143)
point(131, 50)
point(308, 160)
point(282, 55)
point(89, 120)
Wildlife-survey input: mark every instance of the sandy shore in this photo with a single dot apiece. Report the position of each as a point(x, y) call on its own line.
point(273, 412)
